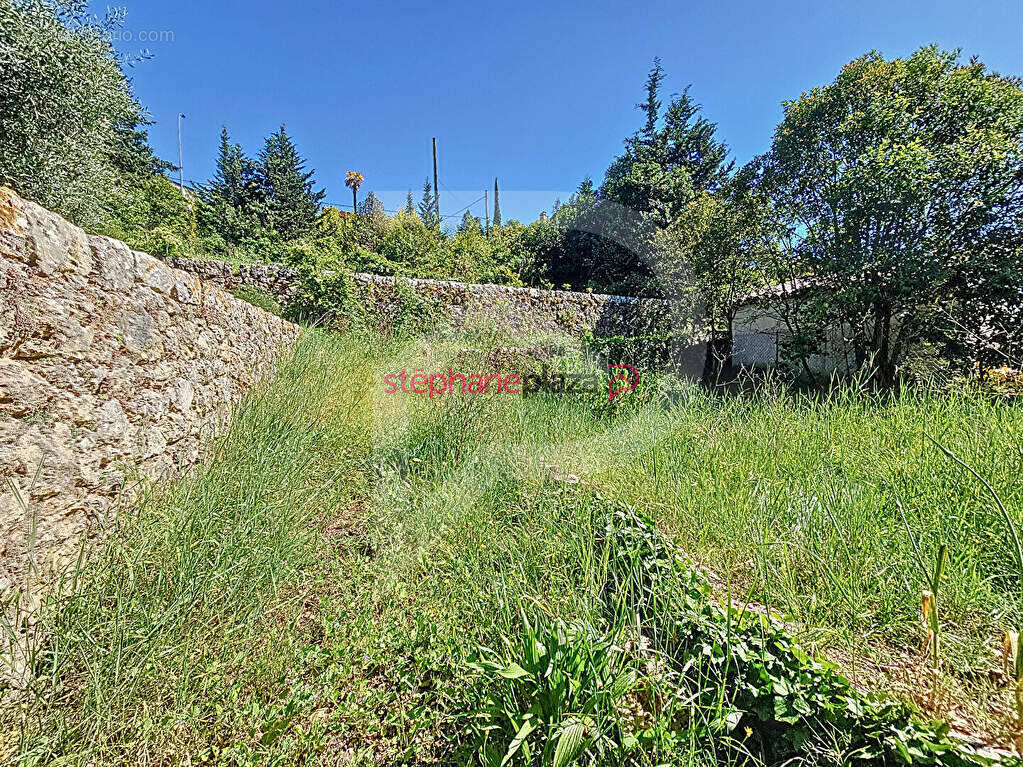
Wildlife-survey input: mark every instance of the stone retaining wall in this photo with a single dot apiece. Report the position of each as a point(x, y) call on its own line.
point(113, 366)
point(514, 309)
point(273, 279)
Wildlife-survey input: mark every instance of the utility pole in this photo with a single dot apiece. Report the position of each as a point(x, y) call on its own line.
point(181, 162)
point(436, 183)
point(486, 209)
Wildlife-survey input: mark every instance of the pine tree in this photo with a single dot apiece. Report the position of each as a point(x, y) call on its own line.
point(232, 196)
point(410, 206)
point(290, 202)
point(428, 207)
point(585, 189)
point(497, 206)
point(689, 141)
point(652, 106)
point(470, 223)
point(664, 167)
point(372, 206)
point(131, 154)
point(227, 183)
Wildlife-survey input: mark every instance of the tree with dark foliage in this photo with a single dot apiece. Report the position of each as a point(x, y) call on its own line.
point(234, 195)
point(290, 202)
point(900, 185)
point(497, 206)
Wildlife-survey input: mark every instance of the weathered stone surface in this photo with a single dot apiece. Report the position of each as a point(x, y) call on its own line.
point(515, 309)
point(113, 365)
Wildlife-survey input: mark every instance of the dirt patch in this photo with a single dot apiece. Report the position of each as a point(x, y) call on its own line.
point(978, 709)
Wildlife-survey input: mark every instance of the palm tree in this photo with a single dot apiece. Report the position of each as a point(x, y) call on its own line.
point(353, 180)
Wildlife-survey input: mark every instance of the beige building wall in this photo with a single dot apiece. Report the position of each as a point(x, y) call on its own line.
point(758, 330)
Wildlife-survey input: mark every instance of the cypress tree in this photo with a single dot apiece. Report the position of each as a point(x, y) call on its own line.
point(410, 206)
point(497, 206)
point(290, 202)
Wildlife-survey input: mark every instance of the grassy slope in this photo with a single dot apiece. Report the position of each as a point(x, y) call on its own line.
point(181, 632)
point(320, 586)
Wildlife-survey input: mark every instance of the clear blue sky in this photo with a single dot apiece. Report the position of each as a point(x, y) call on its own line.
point(538, 94)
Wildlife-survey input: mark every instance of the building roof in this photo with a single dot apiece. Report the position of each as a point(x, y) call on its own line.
point(772, 292)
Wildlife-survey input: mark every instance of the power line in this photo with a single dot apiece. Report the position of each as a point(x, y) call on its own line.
point(462, 210)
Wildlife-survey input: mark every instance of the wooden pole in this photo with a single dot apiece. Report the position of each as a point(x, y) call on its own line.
point(436, 182)
point(486, 208)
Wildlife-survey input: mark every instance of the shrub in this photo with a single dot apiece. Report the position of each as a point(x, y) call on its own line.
point(156, 218)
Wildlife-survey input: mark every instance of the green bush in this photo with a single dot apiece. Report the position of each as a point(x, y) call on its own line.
point(156, 218)
point(402, 245)
point(650, 352)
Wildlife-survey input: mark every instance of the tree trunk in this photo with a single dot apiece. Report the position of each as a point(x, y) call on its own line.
point(884, 364)
point(719, 351)
point(718, 356)
point(355, 200)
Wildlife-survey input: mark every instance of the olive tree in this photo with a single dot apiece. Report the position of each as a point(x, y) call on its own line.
point(900, 187)
point(62, 95)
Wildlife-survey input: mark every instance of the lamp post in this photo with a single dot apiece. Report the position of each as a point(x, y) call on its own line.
point(181, 163)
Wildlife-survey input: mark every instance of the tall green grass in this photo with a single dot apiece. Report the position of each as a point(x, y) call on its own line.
point(814, 506)
point(179, 631)
point(321, 590)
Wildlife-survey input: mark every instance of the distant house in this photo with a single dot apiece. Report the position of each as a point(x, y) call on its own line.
point(760, 330)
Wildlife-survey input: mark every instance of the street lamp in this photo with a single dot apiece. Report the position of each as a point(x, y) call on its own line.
point(181, 163)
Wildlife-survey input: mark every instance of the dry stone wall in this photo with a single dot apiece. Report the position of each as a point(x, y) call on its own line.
point(113, 367)
point(525, 310)
point(515, 309)
point(273, 279)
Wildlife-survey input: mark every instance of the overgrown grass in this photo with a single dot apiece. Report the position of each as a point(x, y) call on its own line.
point(259, 298)
point(817, 504)
point(323, 590)
point(178, 636)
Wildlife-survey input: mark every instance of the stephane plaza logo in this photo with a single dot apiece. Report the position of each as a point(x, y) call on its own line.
point(618, 381)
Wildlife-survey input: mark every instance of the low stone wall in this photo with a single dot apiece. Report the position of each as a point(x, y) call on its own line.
point(527, 310)
point(514, 309)
point(273, 279)
point(113, 367)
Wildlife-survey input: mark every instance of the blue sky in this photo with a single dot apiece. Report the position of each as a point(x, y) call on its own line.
point(537, 94)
